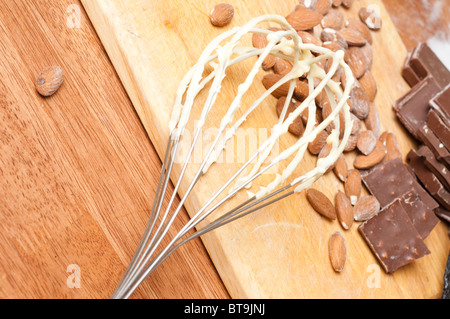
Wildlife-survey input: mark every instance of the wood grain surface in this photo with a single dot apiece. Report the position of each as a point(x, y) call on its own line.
point(78, 171)
point(281, 251)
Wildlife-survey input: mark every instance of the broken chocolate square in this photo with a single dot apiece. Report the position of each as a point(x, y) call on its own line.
point(440, 103)
point(443, 214)
point(424, 62)
point(429, 181)
point(412, 108)
point(390, 180)
point(438, 168)
point(393, 238)
point(434, 144)
point(439, 128)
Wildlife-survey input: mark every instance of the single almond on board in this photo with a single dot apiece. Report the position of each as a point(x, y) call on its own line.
point(370, 17)
point(268, 63)
point(366, 142)
point(365, 208)
point(341, 168)
point(259, 40)
point(282, 66)
point(344, 210)
point(304, 19)
point(353, 37)
point(308, 38)
point(334, 20)
point(368, 54)
point(296, 127)
point(270, 79)
point(321, 204)
point(372, 121)
point(337, 251)
point(318, 143)
point(49, 80)
point(352, 186)
point(375, 157)
point(356, 24)
point(355, 59)
point(369, 85)
point(221, 14)
point(392, 148)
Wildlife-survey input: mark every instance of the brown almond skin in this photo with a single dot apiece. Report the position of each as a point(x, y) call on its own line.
point(360, 103)
point(318, 143)
point(366, 207)
point(351, 143)
point(356, 24)
point(334, 20)
point(282, 66)
point(366, 142)
point(353, 37)
point(222, 14)
point(375, 157)
point(341, 168)
point(303, 19)
point(296, 127)
point(337, 251)
point(352, 186)
point(369, 85)
point(49, 80)
point(320, 203)
point(344, 210)
point(270, 79)
point(392, 148)
point(355, 59)
point(372, 121)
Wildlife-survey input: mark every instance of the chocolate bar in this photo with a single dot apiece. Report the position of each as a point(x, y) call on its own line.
point(391, 180)
point(443, 214)
point(441, 104)
point(434, 144)
point(439, 128)
point(423, 62)
point(412, 108)
point(393, 238)
point(438, 168)
point(430, 182)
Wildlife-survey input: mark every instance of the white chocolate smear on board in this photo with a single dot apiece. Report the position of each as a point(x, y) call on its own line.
point(285, 44)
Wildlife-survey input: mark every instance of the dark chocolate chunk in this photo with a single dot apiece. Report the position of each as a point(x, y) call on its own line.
point(441, 104)
point(412, 108)
point(446, 290)
point(429, 181)
point(434, 144)
point(438, 168)
point(391, 180)
point(424, 62)
point(443, 214)
point(439, 128)
point(408, 73)
point(393, 238)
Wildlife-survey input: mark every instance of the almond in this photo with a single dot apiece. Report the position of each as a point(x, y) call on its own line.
point(333, 46)
point(370, 17)
point(305, 115)
point(353, 37)
point(323, 6)
point(334, 20)
point(320, 203)
point(324, 152)
point(351, 143)
point(352, 186)
point(372, 159)
point(318, 143)
point(282, 66)
point(221, 14)
point(366, 142)
point(355, 59)
point(336, 3)
point(49, 80)
point(308, 38)
point(337, 251)
point(365, 208)
point(368, 55)
point(369, 85)
point(357, 25)
point(296, 127)
point(259, 40)
point(270, 79)
point(301, 90)
point(341, 168)
point(357, 125)
point(372, 121)
point(269, 62)
point(347, 3)
point(331, 35)
point(392, 148)
point(304, 19)
point(344, 210)
point(360, 103)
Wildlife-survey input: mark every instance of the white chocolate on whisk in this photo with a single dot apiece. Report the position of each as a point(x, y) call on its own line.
point(285, 44)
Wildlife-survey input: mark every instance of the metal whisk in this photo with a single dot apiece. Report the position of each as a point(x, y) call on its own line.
point(223, 52)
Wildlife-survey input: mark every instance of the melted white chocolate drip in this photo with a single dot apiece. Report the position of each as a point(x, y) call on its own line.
point(285, 44)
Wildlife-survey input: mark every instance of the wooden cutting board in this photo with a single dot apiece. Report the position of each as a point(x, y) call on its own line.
point(280, 251)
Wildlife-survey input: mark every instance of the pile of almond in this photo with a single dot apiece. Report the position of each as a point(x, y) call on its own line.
point(322, 22)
